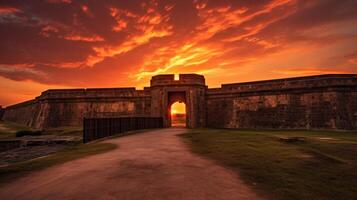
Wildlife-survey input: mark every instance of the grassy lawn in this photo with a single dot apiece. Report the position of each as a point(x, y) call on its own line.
point(9, 129)
point(324, 166)
point(12, 172)
point(65, 131)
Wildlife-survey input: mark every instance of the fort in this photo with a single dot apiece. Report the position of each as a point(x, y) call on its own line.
point(311, 102)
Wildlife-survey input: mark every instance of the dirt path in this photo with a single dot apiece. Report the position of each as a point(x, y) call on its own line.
point(151, 165)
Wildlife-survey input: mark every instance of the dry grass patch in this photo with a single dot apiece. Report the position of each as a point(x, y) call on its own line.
point(311, 169)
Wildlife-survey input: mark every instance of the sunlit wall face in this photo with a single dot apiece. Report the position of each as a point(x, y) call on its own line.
point(72, 44)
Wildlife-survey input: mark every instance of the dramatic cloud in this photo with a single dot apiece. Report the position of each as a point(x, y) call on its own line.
point(73, 43)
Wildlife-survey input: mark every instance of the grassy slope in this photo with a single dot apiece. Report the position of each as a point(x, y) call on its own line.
point(315, 169)
point(12, 172)
point(9, 129)
point(65, 131)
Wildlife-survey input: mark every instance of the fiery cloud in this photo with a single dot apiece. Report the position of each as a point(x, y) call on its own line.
point(8, 10)
point(66, 43)
point(84, 38)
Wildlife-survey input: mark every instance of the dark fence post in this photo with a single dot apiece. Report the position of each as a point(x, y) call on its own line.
point(84, 130)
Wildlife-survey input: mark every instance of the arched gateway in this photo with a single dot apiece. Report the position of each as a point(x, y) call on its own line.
point(189, 88)
point(311, 102)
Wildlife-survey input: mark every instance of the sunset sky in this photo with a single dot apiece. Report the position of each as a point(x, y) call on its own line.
point(120, 43)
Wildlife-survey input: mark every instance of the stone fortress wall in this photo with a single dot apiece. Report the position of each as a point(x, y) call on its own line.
point(313, 102)
point(2, 111)
point(55, 108)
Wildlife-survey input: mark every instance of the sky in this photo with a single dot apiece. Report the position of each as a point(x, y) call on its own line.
point(178, 108)
point(119, 43)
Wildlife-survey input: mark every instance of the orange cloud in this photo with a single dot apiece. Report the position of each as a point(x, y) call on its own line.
point(84, 38)
point(119, 15)
point(48, 29)
point(187, 55)
point(121, 24)
point(151, 25)
point(190, 54)
point(60, 1)
point(110, 51)
point(215, 20)
point(20, 71)
point(8, 10)
point(308, 71)
point(219, 19)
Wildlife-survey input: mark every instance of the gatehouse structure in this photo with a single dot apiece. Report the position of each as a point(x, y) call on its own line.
point(312, 102)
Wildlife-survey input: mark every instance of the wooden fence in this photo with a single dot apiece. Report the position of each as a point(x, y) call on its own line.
point(95, 128)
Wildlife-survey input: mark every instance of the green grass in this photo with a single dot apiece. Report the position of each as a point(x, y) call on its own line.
point(10, 173)
point(66, 131)
point(8, 129)
point(322, 167)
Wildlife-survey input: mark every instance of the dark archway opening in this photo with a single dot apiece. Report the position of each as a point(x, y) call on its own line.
point(177, 109)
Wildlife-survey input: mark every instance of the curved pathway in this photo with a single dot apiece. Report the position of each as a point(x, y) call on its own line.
point(149, 165)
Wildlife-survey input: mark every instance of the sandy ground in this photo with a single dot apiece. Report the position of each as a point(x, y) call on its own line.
point(150, 165)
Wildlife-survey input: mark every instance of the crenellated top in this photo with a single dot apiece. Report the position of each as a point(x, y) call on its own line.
point(183, 79)
point(307, 82)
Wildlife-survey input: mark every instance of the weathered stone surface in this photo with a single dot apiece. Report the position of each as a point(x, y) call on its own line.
point(313, 102)
point(55, 108)
point(2, 111)
point(190, 89)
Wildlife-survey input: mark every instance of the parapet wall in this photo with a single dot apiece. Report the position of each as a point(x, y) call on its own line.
point(93, 93)
point(299, 84)
point(184, 79)
point(314, 102)
point(68, 107)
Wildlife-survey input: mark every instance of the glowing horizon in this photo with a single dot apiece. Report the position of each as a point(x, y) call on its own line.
point(178, 108)
point(78, 44)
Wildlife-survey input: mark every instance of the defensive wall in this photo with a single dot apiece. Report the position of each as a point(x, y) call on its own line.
point(312, 102)
point(55, 108)
point(2, 111)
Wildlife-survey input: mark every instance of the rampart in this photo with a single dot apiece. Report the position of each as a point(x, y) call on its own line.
point(67, 107)
point(312, 102)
